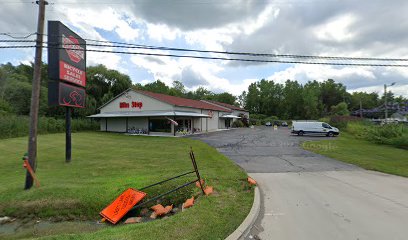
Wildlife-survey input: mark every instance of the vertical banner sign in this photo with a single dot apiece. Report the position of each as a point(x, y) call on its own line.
point(67, 73)
point(66, 66)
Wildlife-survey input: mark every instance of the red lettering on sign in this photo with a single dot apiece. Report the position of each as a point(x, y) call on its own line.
point(134, 105)
point(123, 105)
point(74, 50)
point(72, 74)
point(137, 105)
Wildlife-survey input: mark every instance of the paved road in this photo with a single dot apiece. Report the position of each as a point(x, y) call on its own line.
point(308, 196)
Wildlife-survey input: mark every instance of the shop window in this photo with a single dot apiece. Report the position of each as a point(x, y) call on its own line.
point(160, 125)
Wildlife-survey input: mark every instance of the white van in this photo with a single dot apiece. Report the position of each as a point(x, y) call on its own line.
point(320, 128)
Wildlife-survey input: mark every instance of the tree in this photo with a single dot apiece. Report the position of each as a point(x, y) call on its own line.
point(340, 109)
point(242, 99)
point(368, 100)
point(293, 101)
point(332, 93)
point(177, 89)
point(225, 98)
point(202, 93)
point(311, 104)
point(157, 87)
point(253, 99)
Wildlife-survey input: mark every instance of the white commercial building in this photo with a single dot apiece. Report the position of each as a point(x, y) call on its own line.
point(145, 112)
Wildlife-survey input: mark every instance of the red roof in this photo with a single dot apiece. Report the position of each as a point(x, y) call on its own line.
point(226, 105)
point(183, 102)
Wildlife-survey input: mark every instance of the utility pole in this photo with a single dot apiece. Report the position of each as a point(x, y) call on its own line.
point(35, 94)
point(361, 109)
point(385, 100)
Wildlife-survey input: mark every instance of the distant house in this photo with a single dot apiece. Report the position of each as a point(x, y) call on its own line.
point(398, 117)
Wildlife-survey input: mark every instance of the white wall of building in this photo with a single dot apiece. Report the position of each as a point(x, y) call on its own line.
point(103, 124)
point(116, 124)
point(149, 103)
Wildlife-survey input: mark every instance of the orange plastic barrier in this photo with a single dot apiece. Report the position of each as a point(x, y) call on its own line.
point(208, 190)
point(198, 183)
point(160, 210)
point(31, 171)
point(118, 208)
point(188, 203)
point(251, 181)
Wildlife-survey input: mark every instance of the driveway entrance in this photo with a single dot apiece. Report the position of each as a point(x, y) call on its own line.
point(309, 196)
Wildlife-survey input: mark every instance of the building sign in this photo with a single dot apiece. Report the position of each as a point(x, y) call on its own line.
point(68, 95)
point(66, 66)
point(133, 105)
point(72, 74)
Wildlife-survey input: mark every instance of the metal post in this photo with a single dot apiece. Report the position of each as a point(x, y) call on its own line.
point(385, 99)
point(196, 169)
point(148, 125)
point(361, 109)
point(35, 95)
point(67, 134)
point(174, 127)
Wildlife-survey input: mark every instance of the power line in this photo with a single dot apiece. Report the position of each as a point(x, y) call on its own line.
point(223, 58)
point(130, 45)
point(293, 56)
point(33, 46)
point(238, 59)
point(17, 37)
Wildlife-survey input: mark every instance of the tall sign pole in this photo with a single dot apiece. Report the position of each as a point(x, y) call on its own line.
point(67, 134)
point(66, 73)
point(35, 95)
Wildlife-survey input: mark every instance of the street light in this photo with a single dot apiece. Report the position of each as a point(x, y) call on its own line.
point(385, 98)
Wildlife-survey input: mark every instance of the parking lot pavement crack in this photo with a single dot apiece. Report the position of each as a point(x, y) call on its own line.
point(290, 163)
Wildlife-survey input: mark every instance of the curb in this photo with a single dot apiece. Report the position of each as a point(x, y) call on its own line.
point(246, 225)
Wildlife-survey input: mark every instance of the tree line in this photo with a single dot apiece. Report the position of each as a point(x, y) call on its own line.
point(290, 100)
point(312, 100)
point(102, 85)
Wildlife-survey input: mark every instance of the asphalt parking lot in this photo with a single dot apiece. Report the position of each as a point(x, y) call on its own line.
point(308, 196)
point(265, 150)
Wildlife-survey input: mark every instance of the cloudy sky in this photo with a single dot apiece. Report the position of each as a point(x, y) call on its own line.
point(365, 28)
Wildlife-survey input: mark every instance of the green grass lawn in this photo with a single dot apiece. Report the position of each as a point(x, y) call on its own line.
point(346, 148)
point(103, 165)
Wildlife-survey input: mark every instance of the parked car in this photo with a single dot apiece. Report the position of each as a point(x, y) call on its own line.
point(317, 128)
point(268, 124)
point(284, 124)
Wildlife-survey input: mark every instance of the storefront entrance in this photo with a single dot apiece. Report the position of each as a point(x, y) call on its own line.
point(227, 123)
point(159, 125)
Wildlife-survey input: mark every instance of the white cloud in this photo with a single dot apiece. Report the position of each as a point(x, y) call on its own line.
point(321, 73)
point(337, 29)
point(108, 59)
point(160, 32)
point(108, 19)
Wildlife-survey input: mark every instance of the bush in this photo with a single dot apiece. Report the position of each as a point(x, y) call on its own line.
point(238, 124)
point(18, 126)
point(391, 134)
point(382, 134)
point(341, 122)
